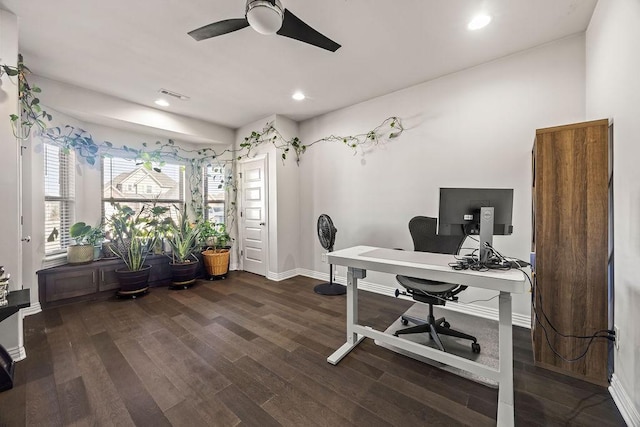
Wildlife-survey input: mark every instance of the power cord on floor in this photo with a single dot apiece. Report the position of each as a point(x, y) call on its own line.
point(610, 335)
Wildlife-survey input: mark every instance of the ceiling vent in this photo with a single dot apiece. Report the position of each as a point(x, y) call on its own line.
point(174, 94)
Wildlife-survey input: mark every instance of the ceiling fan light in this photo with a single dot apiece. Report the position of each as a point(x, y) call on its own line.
point(264, 16)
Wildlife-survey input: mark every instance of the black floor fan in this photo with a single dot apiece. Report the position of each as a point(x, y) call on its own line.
point(327, 237)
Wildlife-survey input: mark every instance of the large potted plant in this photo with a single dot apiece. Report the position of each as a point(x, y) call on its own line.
point(182, 237)
point(132, 237)
point(86, 240)
point(216, 256)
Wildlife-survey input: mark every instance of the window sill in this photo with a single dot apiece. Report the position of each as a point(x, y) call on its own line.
point(54, 260)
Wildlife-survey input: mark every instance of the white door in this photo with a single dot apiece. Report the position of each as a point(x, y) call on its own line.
point(253, 216)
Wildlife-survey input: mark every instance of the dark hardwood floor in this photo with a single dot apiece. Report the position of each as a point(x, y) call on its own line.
point(248, 351)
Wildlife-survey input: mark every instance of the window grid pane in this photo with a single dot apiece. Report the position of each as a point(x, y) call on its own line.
point(59, 186)
point(214, 194)
point(131, 184)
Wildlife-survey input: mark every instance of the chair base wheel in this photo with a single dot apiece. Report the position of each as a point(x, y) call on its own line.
point(404, 321)
point(475, 347)
point(446, 325)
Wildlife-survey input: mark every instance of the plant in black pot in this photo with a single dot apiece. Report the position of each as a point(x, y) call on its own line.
point(86, 238)
point(132, 235)
point(183, 239)
point(216, 255)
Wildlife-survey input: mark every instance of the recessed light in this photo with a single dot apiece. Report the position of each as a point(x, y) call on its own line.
point(298, 96)
point(479, 21)
point(162, 102)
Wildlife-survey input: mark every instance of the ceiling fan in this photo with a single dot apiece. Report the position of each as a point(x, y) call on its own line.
point(268, 17)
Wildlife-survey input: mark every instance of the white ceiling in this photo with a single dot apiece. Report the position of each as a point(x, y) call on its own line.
point(132, 48)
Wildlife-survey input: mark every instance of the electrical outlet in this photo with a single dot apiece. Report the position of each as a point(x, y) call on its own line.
point(617, 340)
point(324, 257)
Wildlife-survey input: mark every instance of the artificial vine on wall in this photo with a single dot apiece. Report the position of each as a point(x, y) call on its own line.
point(31, 113)
point(154, 156)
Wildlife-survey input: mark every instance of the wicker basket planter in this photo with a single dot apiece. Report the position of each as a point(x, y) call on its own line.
point(216, 262)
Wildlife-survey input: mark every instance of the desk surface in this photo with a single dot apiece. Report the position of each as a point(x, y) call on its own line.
point(17, 300)
point(427, 265)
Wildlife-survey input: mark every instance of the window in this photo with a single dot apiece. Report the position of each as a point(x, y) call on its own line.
point(164, 187)
point(59, 186)
point(214, 192)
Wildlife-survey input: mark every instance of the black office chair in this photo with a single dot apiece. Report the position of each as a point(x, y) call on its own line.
point(425, 239)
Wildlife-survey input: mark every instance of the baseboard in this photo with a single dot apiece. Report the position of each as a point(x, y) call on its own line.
point(34, 308)
point(277, 277)
point(521, 320)
point(312, 274)
point(17, 353)
point(624, 403)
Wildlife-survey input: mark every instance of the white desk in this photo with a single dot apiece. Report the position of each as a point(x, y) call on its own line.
point(425, 265)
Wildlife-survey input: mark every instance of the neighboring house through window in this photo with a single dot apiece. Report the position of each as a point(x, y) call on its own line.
point(123, 182)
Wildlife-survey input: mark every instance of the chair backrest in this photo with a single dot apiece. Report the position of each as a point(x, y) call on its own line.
point(425, 239)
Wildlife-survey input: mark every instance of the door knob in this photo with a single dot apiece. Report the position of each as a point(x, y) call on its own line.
point(262, 223)
point(26, 239)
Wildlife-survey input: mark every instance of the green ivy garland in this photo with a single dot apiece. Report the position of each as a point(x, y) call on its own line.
point(70, 138)
point(31, 113)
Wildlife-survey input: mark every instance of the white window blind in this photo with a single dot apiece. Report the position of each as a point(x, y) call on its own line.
point(59, 197)
point(214, 194)
point(133, 185)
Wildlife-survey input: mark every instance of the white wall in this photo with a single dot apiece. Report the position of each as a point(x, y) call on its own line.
point(283, 202)
point(474, 128)
point(95, 107)
point(287, 175)
point(33, 202)
point(10, 230)
point(272, 205)
point(613, 91)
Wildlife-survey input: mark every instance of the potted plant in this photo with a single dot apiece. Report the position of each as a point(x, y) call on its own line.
point(162, 224)
point(132, 237)
point(183, 240)
point(216, 256)
point(86, 238)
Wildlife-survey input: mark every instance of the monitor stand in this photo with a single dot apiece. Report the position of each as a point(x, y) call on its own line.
point(486, 233)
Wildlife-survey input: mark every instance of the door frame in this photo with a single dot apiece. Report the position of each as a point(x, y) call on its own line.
point(264, 157)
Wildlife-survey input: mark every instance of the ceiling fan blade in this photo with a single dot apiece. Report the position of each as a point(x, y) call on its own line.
point(219, 28)
point(293, 27)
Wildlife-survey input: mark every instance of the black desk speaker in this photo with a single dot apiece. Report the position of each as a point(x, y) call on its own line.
point(7, 365)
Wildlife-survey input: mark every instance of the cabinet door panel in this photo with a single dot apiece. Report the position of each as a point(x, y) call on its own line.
point(108, 278)
point(70, 284)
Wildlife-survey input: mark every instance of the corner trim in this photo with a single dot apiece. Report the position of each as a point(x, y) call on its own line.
point(17, 353)
point(624, 402)
point(277, 277)
point(34, 308)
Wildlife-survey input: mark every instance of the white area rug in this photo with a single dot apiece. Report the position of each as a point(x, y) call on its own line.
point(486, 331)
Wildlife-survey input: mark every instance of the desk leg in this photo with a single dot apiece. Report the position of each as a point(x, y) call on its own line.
point(505, 337)
point(353, 339)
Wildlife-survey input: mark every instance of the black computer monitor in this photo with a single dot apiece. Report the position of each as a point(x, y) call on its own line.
point(467, 211)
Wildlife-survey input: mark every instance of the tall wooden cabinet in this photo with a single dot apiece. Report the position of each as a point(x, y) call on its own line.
point(571, 171)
